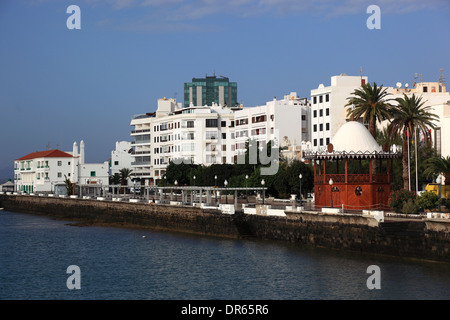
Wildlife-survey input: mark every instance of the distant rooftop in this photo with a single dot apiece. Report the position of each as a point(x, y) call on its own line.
point(46, 154)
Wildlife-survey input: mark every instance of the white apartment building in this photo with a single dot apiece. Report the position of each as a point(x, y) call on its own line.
point(286, 120)
point(434, 95)
point(197, 134)
point(46, 171)
point(328, 112)
point(121, 157)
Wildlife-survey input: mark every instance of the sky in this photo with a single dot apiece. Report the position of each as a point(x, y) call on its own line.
point(60, 85)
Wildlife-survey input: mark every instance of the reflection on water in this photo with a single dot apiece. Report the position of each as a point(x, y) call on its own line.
point(120, 264)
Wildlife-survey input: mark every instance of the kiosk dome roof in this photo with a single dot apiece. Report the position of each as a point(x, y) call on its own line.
point(353, 137)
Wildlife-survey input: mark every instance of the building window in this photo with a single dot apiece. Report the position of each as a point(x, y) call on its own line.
point(328, 141)
point(303, 117)
point(223, 124)
point(211, 123)
point(59, 163)
point(321, 113)
point(224, 135)
point(320, 99)
point(315, 114)
point(315, 128)
point(327, 111)
point(59, 175)
point(327, 97)
point(321, 127)
point(92, 173)
point(327, 126)
point(315, 142)
point(314, 100)
point(321, 141)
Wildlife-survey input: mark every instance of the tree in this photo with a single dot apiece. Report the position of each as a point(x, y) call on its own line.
point(69, 186)
point(369, 102)
point(438, 165)
point(407, 116)
point(125, 173)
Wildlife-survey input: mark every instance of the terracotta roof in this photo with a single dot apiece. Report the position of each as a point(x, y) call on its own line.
point(46, 154)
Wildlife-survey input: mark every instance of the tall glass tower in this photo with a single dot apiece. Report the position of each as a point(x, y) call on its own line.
point(209, 90)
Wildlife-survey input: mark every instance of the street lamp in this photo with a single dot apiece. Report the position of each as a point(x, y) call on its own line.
point(438, 181)
point(264, 193)
point(246, 187)
point(215, 185)
point(331, 191)
point(226, 195)
point(300, 192)
point(194, 181)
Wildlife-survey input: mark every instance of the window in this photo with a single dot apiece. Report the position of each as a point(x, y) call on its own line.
point(224, 135)
point(315, 142)
point(303, 117)
point(92, 173)
point(315, 128)
point(59, 175)
point(68, 163)
point(321, 99)
point(211, 123)
point(314, 100)
point(315, 114)
point(321, 127)
point(328, 141)
point(425, 89)
point(321, 113)
point(327, 97)
point(223, 124)
point(224, 147)
point(327, 111)
point(116, 163)
point(327, 126)
point(59, 163)
point(321, 141)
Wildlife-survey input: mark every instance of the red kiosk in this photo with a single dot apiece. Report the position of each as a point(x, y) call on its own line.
point(350, 186)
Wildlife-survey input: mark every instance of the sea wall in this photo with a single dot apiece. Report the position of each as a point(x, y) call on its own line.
point(423, 239)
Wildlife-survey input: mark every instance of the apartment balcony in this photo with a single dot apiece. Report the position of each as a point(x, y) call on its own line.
point(142, 152)
point(141, 163)
point(141, 142)
point(139, 131)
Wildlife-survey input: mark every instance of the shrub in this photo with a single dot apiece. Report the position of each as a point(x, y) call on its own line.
point(398, 198)
point(428, 200)
point(410, 207)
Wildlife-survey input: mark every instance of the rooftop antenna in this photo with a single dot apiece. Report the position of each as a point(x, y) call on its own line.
point(420, 77)
point(48, 146)
point(360, 72)
point(415, 79)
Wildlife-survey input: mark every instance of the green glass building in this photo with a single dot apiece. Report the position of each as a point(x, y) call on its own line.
point(209, 90)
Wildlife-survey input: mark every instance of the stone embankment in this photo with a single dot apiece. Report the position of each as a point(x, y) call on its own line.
point(420, 238)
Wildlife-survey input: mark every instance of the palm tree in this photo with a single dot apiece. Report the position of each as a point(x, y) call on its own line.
point(370, 103)
point(125, 173)
point(409, 115)
point(438, 165)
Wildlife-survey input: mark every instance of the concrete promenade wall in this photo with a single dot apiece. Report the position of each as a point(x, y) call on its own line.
point(424, 239)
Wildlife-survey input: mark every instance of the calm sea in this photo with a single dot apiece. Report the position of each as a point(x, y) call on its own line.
point(117, 263)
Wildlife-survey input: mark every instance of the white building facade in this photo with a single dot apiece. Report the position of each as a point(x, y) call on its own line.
point(198, 135)
point(46, 171)
point(121, 157)
point(328, 111)
point(286, 120)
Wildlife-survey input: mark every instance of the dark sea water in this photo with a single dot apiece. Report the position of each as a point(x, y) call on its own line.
point(117, 263)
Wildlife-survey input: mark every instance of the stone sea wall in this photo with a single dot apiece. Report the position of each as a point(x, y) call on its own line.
point(424, 239)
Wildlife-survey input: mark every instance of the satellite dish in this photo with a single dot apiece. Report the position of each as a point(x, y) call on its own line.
point(398, 84)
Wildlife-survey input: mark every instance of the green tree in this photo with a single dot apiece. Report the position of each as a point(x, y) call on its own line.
point(407, 116)
point(69, 186)
point(369, 103)
point(125, 173)
point(436, 166)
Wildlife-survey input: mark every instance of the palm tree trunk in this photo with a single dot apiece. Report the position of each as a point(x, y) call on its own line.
point(405, 162)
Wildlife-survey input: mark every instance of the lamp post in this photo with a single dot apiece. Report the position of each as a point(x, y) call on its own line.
point(331, 191)
point(438, 181)
point(246, 187)
point(194, 180)
point(226, 195)
point(215, 185)
point(176, 184)
point(300, 191)
point(264, 193)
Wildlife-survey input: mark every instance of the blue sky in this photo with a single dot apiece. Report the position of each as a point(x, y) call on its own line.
point(59, 85)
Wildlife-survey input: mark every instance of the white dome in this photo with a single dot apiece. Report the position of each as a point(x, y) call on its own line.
point(353, 137)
